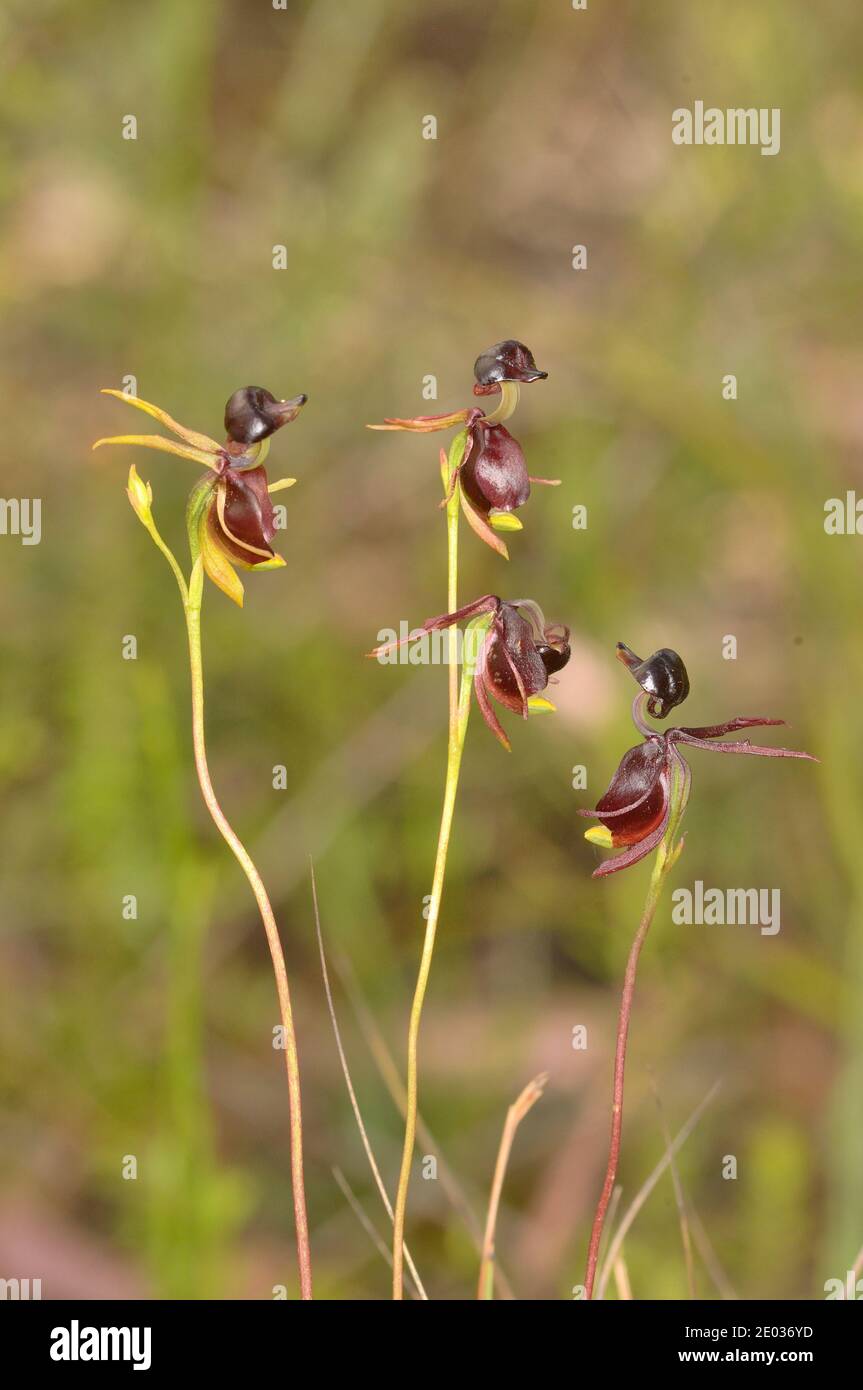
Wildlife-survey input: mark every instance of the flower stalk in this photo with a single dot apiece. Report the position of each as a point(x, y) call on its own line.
point(192, 608)
point(639, 813)
point(230, 522)
point(485, 476)
point(460, 698)
point(666, 857)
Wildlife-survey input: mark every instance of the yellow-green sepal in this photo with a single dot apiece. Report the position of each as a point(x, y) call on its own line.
point(165, 446)
point(199, 499)
point(197, 440)
point(217, 565)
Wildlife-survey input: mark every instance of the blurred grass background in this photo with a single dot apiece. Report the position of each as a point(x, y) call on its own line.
point(152, 1037)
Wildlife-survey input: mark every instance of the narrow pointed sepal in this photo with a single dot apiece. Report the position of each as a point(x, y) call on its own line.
point(478, 524)
point(165, 446)
point(217, 565)
point(220, 569)
point(423, 424)
point(192, 437)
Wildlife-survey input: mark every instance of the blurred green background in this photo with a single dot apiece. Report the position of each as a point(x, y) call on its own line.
point(406, 257)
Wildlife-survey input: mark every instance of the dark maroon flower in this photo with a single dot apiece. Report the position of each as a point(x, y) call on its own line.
point(492, 470)
point(241, 517)
point(230, 516)
point(519, 656)
point(506, 361)
point(634, 812)
point(236, 520)
point(253, 414)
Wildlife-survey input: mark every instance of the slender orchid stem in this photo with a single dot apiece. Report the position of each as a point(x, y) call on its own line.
point(459, 710)
point(452, 519)
point(666, 856)
point(650, 1182)
point(192, 607)
point(352, 1095)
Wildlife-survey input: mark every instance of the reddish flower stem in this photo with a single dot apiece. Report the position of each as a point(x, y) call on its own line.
point(667, 854)
point(617, 1099)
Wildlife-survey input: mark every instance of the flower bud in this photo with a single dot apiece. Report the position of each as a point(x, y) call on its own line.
point(140, 495)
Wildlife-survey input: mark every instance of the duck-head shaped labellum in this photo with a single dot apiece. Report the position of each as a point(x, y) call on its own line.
point(506, 361)
point(252, 413)
point(663, 678)
point(554, 651)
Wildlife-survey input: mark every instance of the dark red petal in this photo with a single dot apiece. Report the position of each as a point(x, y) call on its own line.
point(638, 851)
point(742, 745)
point(481, 688)
point(248, 509)
point(240, 517)
point(489, 603)
point(637, 799)
point(494, 473)
point(515, 668)
point(716, 730)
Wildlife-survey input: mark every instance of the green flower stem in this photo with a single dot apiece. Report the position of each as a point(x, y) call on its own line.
point(452, 519)
point(667, 855)
point(459, 711)
point(192, 597)
point(241, 854)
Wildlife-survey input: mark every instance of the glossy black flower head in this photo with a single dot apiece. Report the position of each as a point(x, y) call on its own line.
point(662, 676)
point(492, 469)
point(519, 655)
point(506, 361)
point(253, 413)
point(634, 812)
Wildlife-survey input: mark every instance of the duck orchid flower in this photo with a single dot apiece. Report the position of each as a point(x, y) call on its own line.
point(634, 812)
point(492, 469)
point(230, 516)
point(518, 657)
